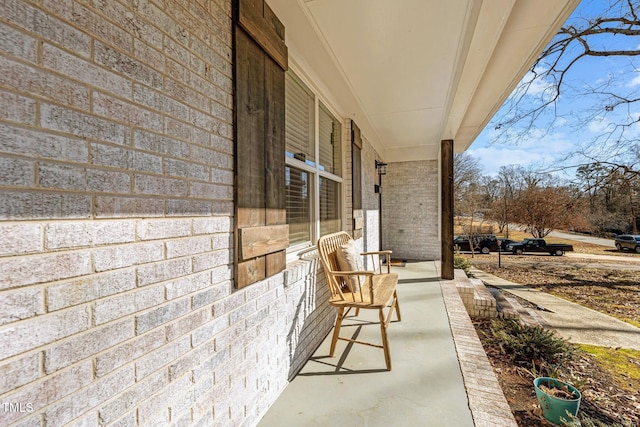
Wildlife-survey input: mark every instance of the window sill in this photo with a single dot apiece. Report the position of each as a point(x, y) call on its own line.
point(306, 263)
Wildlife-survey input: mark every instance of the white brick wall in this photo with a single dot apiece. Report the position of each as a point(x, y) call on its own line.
point(117, 304)
point(346, 175)
point(409, 200)
point(409, 210)
point(370, 201)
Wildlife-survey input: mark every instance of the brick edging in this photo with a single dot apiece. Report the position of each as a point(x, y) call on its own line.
point(487, 402)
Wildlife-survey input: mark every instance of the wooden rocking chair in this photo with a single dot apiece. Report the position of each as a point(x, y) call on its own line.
point(358, 289)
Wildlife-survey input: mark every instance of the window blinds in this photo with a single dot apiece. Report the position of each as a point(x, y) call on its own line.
point(299, 120)
point(297, 200)
point(330, 132)
point(329, 208)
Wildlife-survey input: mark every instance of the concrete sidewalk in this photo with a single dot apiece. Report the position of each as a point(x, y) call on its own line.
point(572, 321)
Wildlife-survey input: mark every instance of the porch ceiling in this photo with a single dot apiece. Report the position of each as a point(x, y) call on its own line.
point(414, 72)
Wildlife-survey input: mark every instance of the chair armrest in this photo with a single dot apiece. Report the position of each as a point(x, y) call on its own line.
point(386, 254)
point(351, 273)
point(366, 284)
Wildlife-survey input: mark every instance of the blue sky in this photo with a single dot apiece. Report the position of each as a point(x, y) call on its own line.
point(552, 138)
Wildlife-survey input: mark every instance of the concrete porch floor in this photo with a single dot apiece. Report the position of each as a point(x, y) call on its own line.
point(440, 375)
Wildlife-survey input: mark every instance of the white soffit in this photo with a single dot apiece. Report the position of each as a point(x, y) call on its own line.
point(414, 72)
point(530, 27)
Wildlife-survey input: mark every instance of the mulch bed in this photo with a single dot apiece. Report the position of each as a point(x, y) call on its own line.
point(610, 399)
point(603, 398)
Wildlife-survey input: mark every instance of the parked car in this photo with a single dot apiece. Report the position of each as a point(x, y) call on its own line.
point(484, 243)
point(538, 245)
point(629, 242)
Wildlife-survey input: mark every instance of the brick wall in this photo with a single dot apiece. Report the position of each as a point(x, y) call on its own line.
point(370, 236)
point(347, 195)
point(409, 206)
point(370, 199)
point(117, 304)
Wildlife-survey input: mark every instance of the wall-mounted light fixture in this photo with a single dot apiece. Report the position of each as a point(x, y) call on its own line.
point(381, 168)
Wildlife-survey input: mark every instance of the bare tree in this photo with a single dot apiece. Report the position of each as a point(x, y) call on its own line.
point(491, 189)
point(510, 182)
point(466, 171)
point(471, 206)
point(613, 197)
point(544, 209)
point(554, 91)
point(471, 192)
point(592, 179)
point(537, 101)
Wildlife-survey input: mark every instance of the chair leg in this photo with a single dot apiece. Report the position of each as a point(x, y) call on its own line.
point(385, 339)
point(336, 331)
point(397, 304)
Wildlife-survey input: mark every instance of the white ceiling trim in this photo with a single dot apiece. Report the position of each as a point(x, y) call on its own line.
point(413, 72)
point(526, 33)
point(312, 56)
point(490, 22)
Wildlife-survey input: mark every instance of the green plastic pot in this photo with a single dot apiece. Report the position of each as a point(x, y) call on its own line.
point(553, 408)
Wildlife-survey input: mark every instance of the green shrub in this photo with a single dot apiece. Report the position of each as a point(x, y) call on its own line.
point(462, 263)
point(585, 420)
point(530, 345)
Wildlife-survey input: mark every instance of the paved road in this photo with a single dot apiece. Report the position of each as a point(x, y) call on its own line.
point(577, 260)
point(574, 260)
point(616, 259)
point(582, 238)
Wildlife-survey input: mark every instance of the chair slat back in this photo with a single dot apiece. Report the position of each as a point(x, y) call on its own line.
point(327, 249)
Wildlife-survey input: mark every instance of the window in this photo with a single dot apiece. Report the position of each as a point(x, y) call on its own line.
point(313, 173)
point(329, 207)
point(330, 134)
point(298, 202)
point(299, 120)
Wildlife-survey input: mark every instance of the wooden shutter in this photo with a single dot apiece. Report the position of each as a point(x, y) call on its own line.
point(260, 62)
point(356, 180)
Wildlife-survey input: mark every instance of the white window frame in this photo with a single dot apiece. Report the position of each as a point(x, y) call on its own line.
point(316, 171)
